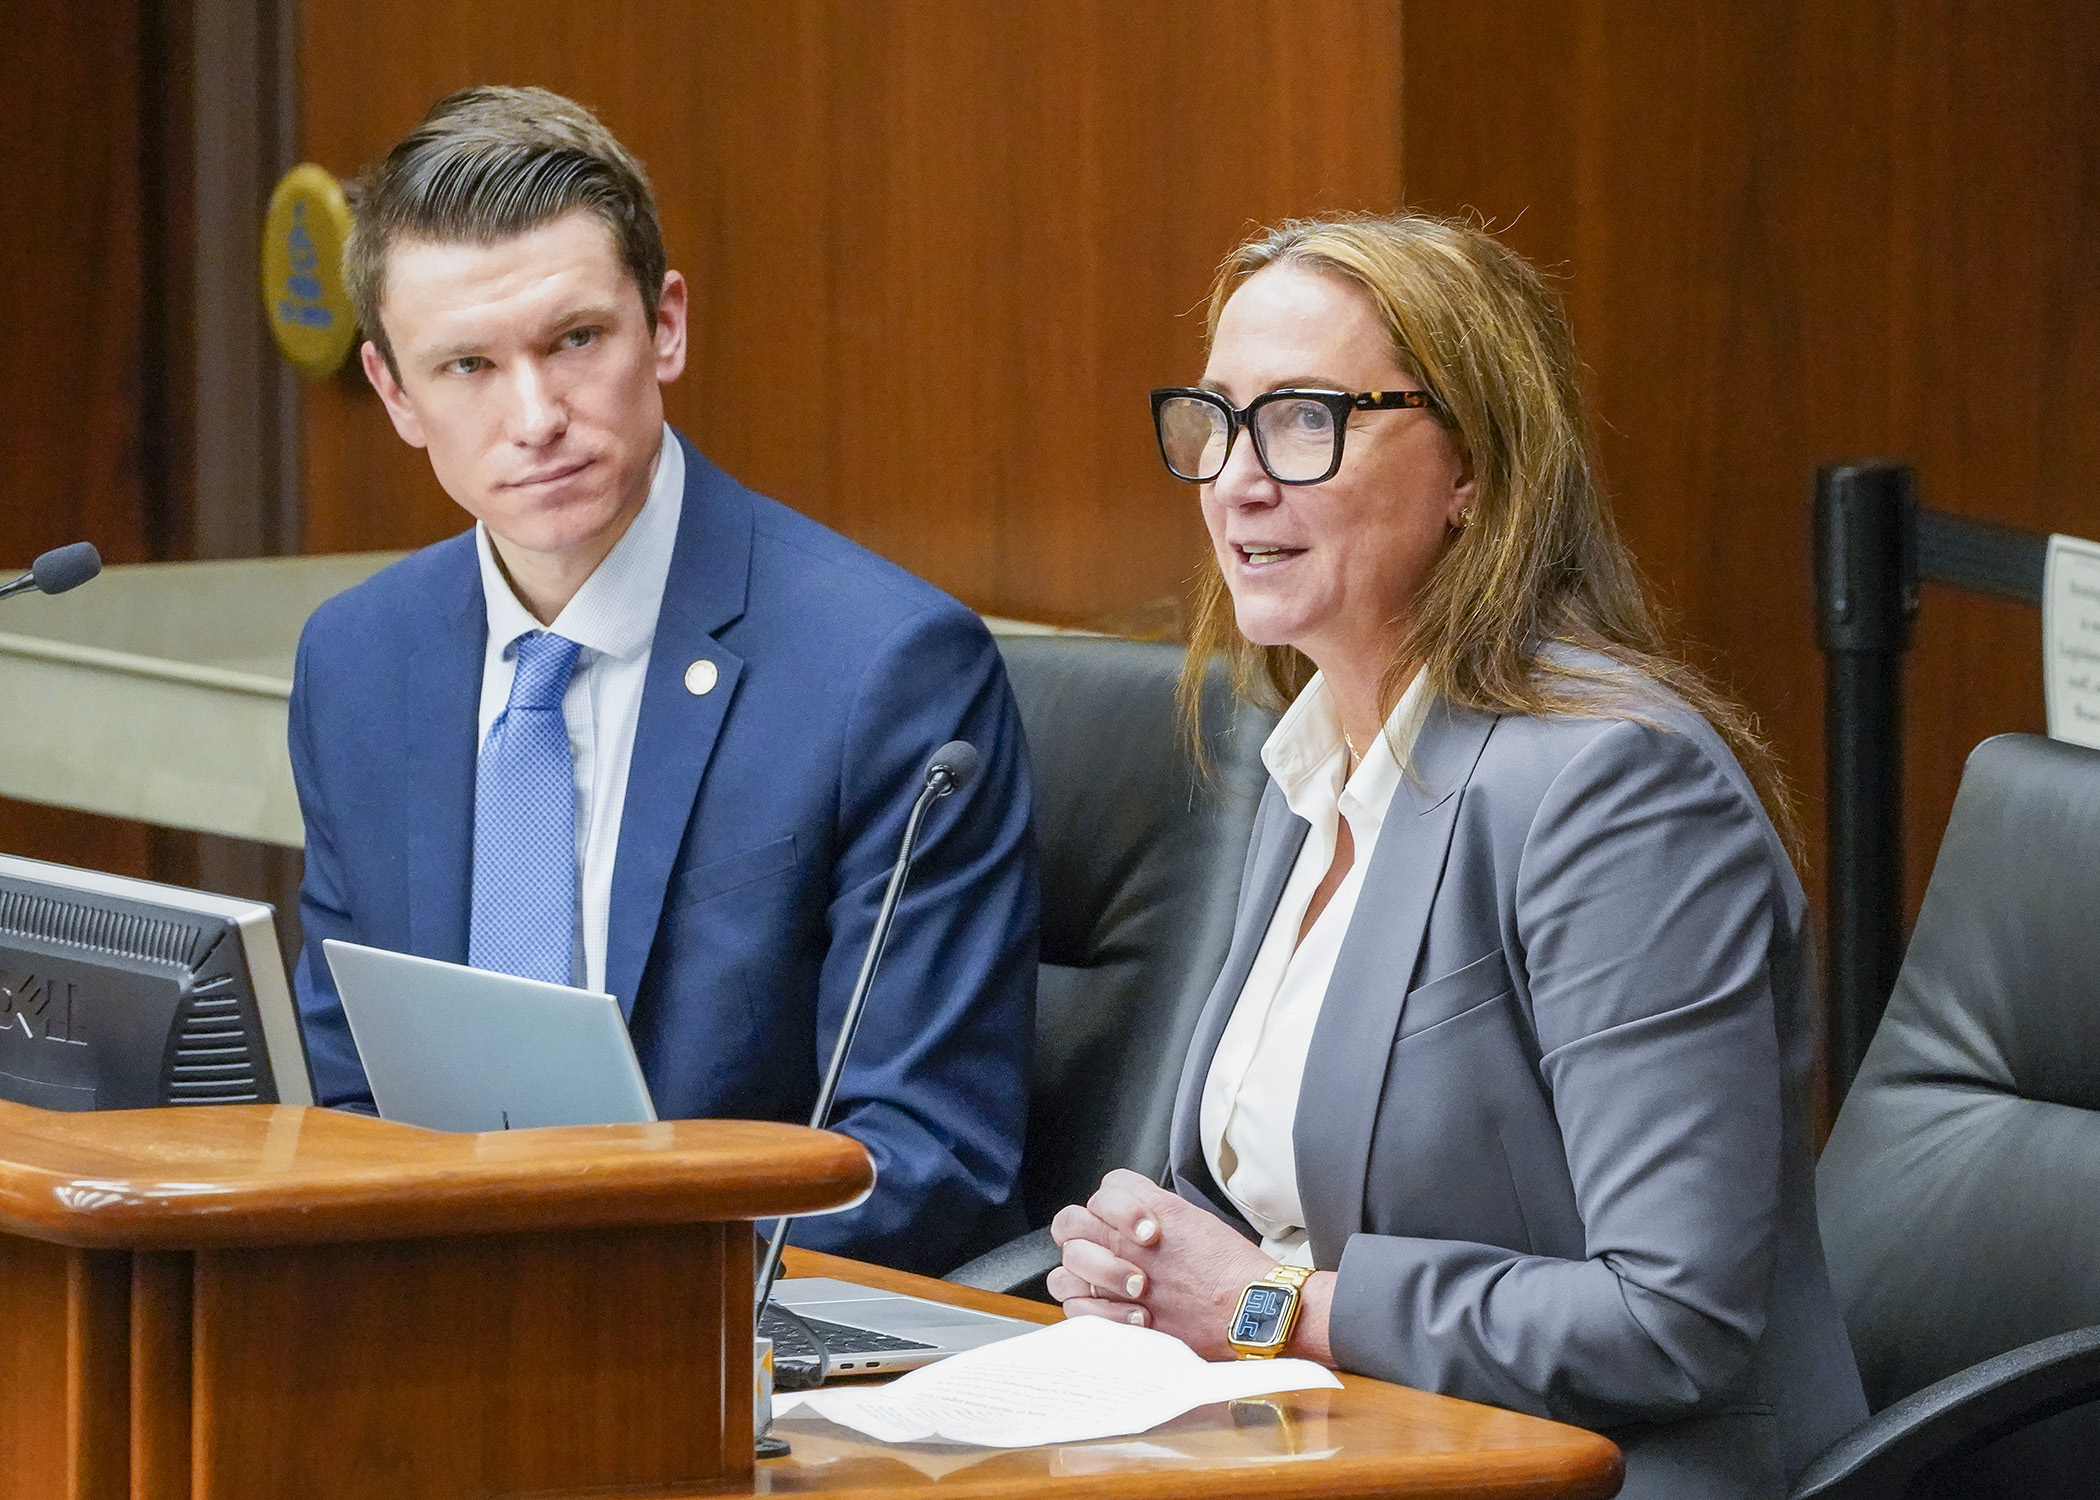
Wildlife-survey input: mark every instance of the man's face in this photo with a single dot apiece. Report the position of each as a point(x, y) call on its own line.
point(530, 375)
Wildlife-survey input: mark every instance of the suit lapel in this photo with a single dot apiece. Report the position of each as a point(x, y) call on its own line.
point(1272, 851)
point(1361, 1012)
point(441, 709)
point(676, 733)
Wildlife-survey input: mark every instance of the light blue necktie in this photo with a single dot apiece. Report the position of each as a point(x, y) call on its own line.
point(524, 919)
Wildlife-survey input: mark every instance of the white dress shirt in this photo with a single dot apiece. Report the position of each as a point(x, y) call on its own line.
point(1250, 1097)
point(613, 618)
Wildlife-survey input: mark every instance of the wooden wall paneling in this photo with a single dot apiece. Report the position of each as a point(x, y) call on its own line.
point(218, 404)
point(147, 410)
point(244, 406)
point(940, 251)
point(143, 416)
point(290, 1401)
point(1196, 124)
point(76, 838)
point(1507, 155)
point(69, 380)
point(1728, 300)
point(165, 392)
point(74, 446)
point(1996, 311)
point(1794, 233)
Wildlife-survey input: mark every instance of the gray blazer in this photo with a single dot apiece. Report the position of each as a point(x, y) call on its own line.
point(1555, 1149)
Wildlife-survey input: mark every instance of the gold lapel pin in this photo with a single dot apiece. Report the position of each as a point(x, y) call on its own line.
point(701, 677)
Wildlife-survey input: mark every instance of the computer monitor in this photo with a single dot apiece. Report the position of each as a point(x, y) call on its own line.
point(124, 994)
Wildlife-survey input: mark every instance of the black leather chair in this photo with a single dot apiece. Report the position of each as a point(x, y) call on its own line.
point(1960, 1190)
point(1141, 857)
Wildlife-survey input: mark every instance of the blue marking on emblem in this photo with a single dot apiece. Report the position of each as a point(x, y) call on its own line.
point(301, 306)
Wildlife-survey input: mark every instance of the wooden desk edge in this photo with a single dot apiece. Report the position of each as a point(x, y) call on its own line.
point(1591, 1465)
point(276, 1175)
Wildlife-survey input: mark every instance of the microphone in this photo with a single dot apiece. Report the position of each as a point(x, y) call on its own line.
point(958, 760)
point(65, 568)
point(952, 768)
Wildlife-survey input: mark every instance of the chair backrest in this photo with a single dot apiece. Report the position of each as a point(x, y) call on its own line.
point(1141, 858)
point(1960, 1191)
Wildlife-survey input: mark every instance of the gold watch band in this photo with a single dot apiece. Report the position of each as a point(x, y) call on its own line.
point(1294, 1277)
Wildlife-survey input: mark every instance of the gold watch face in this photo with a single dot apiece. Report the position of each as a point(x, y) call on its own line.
point(1262, 1320)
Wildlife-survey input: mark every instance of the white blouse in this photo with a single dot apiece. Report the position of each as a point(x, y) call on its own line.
point(1250, 1098)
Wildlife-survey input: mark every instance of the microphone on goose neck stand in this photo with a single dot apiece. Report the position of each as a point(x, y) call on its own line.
point(56, 571)
point(951, 769)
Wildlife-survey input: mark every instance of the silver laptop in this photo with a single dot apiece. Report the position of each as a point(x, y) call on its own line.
point(453, 1048)
point(868, 1332)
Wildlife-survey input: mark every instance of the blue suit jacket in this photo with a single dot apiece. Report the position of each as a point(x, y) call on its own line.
point(760, 825)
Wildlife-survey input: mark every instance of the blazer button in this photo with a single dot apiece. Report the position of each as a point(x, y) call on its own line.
point(701, 677)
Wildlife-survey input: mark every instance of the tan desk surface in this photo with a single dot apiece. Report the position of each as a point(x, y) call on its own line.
point(1369, 1438)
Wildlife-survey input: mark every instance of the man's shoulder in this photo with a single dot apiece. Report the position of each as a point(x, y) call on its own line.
point(405, 595)
point(812, 580)
point(808, 559)
point(373, 624)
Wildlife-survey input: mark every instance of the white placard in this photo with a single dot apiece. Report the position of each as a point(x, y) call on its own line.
point(2071, 640)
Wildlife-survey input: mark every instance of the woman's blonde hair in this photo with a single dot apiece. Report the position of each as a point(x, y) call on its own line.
point(1541, 561)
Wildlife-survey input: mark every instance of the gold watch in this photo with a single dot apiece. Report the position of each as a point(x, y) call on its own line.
point(1268, 1310)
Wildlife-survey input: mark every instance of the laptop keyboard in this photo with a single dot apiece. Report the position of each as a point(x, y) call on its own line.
point(790, 1342)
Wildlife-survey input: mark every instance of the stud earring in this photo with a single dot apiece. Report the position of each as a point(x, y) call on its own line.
point(1465, 517)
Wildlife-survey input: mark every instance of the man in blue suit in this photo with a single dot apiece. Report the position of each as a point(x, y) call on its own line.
point(642, 729)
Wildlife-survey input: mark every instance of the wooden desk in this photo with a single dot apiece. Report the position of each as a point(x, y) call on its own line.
point(1369, 1438)
point(267, 1303)
point(256, 1302)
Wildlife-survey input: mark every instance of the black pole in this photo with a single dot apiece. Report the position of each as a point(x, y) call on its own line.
point(1866, 596)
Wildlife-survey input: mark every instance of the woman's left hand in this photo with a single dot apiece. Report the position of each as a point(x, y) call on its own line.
point(1138, 1253)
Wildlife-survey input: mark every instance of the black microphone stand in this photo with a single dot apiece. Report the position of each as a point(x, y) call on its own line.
point(952, 765)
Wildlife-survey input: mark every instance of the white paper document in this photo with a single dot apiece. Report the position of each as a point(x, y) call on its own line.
point(2071, 640)
point(1071, 1381)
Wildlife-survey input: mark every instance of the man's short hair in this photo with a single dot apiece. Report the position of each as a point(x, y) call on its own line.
point(489, 163)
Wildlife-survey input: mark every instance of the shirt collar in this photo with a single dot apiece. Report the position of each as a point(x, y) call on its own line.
point(614, 613)
point(1306, 755)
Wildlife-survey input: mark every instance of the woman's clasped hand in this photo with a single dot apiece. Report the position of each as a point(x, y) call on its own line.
point(1139, 1254)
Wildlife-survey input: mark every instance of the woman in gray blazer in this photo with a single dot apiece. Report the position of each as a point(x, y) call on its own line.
point(1498, 1093)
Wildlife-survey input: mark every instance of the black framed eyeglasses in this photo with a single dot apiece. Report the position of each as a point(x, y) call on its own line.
point(1297, 434)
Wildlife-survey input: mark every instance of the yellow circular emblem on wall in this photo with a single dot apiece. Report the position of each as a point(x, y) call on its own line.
point(302, 271)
